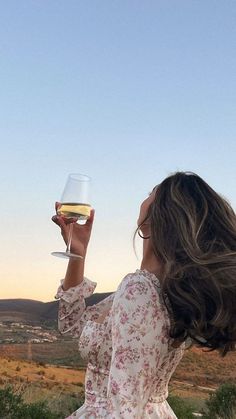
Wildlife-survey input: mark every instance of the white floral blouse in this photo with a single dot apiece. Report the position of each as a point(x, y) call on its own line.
point(125, 340)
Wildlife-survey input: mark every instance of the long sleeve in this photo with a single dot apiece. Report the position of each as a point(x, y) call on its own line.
point(138, 324)
point(73, 313)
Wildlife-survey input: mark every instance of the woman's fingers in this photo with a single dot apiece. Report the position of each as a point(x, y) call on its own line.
point(63, 226)
point(90, 220)
point(55, 219)
point(66, 220)
point(59, 221)
point(81, 231)
point(57, 205)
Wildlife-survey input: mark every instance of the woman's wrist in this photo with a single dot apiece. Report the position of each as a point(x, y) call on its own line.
point(74, 274)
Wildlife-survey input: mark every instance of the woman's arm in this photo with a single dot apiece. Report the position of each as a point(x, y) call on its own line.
point(73, 312)
point(80, 240)
point(75, 288)
point(74, 273)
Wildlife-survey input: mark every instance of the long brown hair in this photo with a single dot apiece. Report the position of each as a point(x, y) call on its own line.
point(193, 233)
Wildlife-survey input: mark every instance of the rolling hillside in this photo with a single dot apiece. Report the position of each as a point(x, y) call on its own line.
point(37, 312)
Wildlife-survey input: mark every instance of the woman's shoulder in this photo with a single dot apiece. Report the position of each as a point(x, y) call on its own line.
point(138, 297)
point(140, 282)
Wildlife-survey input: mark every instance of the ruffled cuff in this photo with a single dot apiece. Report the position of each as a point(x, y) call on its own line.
point(84, 290)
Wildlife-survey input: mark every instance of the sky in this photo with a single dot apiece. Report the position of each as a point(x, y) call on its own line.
point(124, 91)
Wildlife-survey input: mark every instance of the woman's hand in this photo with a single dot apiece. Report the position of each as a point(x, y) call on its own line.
point(81, 233)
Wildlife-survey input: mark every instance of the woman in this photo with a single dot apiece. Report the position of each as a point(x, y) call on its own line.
point(185, 290)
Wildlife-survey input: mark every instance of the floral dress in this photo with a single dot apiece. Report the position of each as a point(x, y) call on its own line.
point(125, 341)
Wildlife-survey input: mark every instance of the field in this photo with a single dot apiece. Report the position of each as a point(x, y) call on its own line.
point(62, 388)
point(48, 377)
point(196, 377)
point(63, 352)
point(207, 369)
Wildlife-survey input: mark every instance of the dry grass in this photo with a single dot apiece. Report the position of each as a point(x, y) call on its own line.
point(40, 382)
point(206, 369)
point(198, 374)
point(61, 352)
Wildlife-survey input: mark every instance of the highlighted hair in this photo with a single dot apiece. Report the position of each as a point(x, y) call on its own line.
point(193, 233)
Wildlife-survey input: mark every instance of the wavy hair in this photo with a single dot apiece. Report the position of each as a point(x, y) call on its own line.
point(193, 233)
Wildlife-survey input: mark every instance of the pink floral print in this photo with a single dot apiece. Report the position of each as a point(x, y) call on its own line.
point(130, 357)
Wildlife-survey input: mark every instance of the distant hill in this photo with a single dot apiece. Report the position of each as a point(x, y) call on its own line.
point(23, 310)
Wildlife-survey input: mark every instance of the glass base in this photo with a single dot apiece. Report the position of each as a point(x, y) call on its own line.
point(66, 255)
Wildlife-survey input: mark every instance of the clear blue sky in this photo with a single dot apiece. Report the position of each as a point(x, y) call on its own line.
point(125, 91)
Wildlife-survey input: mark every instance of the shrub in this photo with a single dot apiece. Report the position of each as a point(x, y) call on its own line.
point(40, 372)
point(182, 409)
point(5, 373)
point(9, 402)
point(41, 364)
point(222, 404)
point(38, 410)
point(12, 406)
point(78, 383)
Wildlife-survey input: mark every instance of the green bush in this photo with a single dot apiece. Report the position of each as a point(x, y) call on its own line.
point(38, 410)
point(9, 402)
point(12, 406)
point(182, 409)
point(222, 404)
point(66, 404)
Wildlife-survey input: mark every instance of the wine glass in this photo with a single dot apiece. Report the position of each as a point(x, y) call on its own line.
point(74, 203)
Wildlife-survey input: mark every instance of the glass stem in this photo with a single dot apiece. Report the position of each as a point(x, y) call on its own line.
point(69, 238)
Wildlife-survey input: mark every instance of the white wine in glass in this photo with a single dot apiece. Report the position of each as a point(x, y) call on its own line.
point(74, 204)
point(74, 209)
